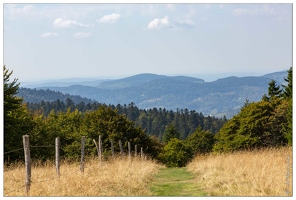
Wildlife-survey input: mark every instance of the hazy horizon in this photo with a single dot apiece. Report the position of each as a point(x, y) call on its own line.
point(205, 77)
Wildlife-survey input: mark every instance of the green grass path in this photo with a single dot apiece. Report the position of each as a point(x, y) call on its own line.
point(175, 182)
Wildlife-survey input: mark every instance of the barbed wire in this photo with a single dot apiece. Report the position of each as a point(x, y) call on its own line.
point(42, 146)
point(30, 147)
point(13, 151)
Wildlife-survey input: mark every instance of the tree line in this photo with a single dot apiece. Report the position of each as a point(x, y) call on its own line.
point(153, 121)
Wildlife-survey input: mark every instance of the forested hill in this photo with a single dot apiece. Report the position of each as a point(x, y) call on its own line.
point(222, 97)
point(46, 95)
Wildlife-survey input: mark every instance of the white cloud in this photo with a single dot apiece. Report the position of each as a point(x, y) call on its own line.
point(159, 23)
point(49, 34)
point(13, 9)
point(109, 18)
point(82, 35)
point(183, 24)
point(60, 23)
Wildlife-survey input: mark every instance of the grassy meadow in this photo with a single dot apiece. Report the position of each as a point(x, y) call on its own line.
point(247, 173)
point(118, 177)
point(265, 172)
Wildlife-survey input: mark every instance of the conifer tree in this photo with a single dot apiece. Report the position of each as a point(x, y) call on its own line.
point(273, 89)
point(287, 92)
point(170, 132)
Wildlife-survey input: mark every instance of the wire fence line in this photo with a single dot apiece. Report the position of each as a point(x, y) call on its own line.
point(13, 151)
point(57, 146)
point(30, 147)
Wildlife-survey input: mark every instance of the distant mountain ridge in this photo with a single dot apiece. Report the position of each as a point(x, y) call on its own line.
point(224, 96)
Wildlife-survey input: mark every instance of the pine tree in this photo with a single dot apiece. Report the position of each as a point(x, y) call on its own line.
point(273, 89)
point(17, 121)
point(170, 132)
point(287, 93)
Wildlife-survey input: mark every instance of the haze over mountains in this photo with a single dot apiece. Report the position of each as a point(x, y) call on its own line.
point(224, 96)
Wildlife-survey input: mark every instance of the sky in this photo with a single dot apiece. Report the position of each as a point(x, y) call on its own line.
point(97, 40)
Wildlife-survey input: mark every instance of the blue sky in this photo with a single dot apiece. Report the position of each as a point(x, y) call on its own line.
point(54, 41)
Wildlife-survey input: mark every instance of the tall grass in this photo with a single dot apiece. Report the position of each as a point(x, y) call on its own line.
point(118, 177)
point(248, 173)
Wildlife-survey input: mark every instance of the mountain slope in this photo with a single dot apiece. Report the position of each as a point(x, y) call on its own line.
point(221, 97)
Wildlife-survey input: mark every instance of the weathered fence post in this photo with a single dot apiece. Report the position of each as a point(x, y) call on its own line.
point(129, 149)
point(26, 144)
point(142, 154)
point(97, 147)
point(57, 155)
point(120, 146)
point(135, 150)
point(82, 154)
point(112, 148)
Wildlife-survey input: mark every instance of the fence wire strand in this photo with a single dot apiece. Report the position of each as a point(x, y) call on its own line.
point(13, 151)
point(30, 147)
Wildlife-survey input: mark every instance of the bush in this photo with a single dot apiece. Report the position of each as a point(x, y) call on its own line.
point(175, 154)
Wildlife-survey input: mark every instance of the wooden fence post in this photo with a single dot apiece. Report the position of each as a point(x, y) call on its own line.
point(57, 155)
point(120, 146)
point(135, 150)
point(97, 147)
point(26, 144)
point(82, 154)
point(112, 148)
point(129, 149)
point(142, 154)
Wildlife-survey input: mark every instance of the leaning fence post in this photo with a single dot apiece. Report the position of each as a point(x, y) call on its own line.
point(97, 147)
point(120, 146)
point(57, 154)
point(26, 144)
point(82, 154)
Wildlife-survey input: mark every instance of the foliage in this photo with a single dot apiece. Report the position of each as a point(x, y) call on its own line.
point(200, 142)
point(288, 94)
point(170, 132)
point(288, 128)
point(175, 154)
point(17, 120)
point(288, 91)
point(152, 121)
point(257, 125)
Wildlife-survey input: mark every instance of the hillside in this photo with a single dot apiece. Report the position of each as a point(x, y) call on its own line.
point(38, 95)
point(221, 97)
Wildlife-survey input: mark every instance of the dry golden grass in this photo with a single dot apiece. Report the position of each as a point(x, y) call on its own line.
point(249, 173)
point(118, 177)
